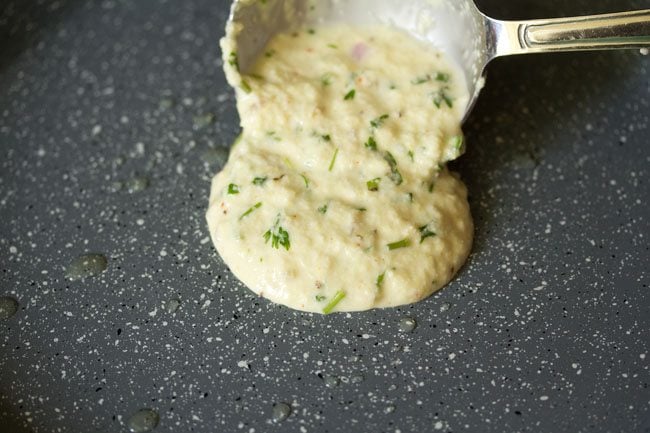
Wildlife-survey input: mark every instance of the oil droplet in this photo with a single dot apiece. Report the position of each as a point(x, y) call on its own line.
point(143, 421)
point(445, 307)
point(281, 411)
point(88, 265)
point(8, 307)
point(137, 184)
point(203, 120)
point(407, 324)
point(172, 305)
point(167, 103)
point(331, 381)
point(357, 378)
point(215, 156)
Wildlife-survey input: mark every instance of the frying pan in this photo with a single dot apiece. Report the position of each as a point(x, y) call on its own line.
point(114, 115)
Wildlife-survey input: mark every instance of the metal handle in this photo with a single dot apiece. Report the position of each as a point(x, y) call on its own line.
point(595, 32)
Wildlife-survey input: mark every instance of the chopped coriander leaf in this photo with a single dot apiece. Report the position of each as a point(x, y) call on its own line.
point(395, 175)
point(338, 297)
point(399, 244)
point(379, 121)
point(411, 155)
point(425, 232)
point(326, 79)
point(278, 236)
point(273, 135)
point(304, 178)
point(251, 210)
point(362, 209)
point(333, 46)
point(421, 80)
point(269, 53)
point(380, 280)
point(410, 196)
point(260, 181)
point(237, 140)
point(245, 86)
point(336, 153)
point(233, 189)
point(432, 185)
point(457, 142)
point(233, 61)
point(441, 96)
point(371, 143)
point(326, 137)
point(320, 298)
point(311, 31)
point(323, 209)
point(373, 185)
point(443, 77)
point(350, 95)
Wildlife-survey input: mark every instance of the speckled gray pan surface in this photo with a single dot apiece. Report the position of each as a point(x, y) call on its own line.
point(114, 115)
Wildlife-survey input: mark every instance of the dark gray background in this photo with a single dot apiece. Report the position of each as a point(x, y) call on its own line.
point(549, 323)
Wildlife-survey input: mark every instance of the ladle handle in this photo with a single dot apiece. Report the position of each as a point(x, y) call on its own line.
point(595, 32)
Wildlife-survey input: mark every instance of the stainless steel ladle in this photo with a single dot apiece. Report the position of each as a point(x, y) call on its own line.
point(457, 27)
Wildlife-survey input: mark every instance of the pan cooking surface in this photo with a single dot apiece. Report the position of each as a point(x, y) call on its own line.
point(113, 118)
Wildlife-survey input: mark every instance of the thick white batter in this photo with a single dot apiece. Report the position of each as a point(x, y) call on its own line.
point(336, 196)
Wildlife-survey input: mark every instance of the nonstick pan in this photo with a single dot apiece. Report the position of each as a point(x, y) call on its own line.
point(114, 115)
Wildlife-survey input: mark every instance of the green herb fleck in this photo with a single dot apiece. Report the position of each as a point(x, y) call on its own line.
point(338, 297)
point(336, 154)
point(443, 77)
point(350, 95)
point(251, 210)
point(362, 209)
point(323, 209)
point(379, 121)
point(373, 185)
point(441, 96)
point(425, 232)
point(326, 137)
point(399, 244)
point(411, 155)
point(395, 175)
point(245, 86)
point(326, 79)
point(432, 185)
point(304, 178)
point(269, 54)
point(421, 80)
point(457, 142)
point(410, 196)
point(260, 181)
point(278, 236)
point(320, 298)
point(380, 280)
point(233, 60)
point(333, 46)
point(311, 31)
point(273, 135)
point(233, 189)
point(237, 141)
point(371, 143)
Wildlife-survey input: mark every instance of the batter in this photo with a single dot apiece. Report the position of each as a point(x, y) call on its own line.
point(336, 196)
